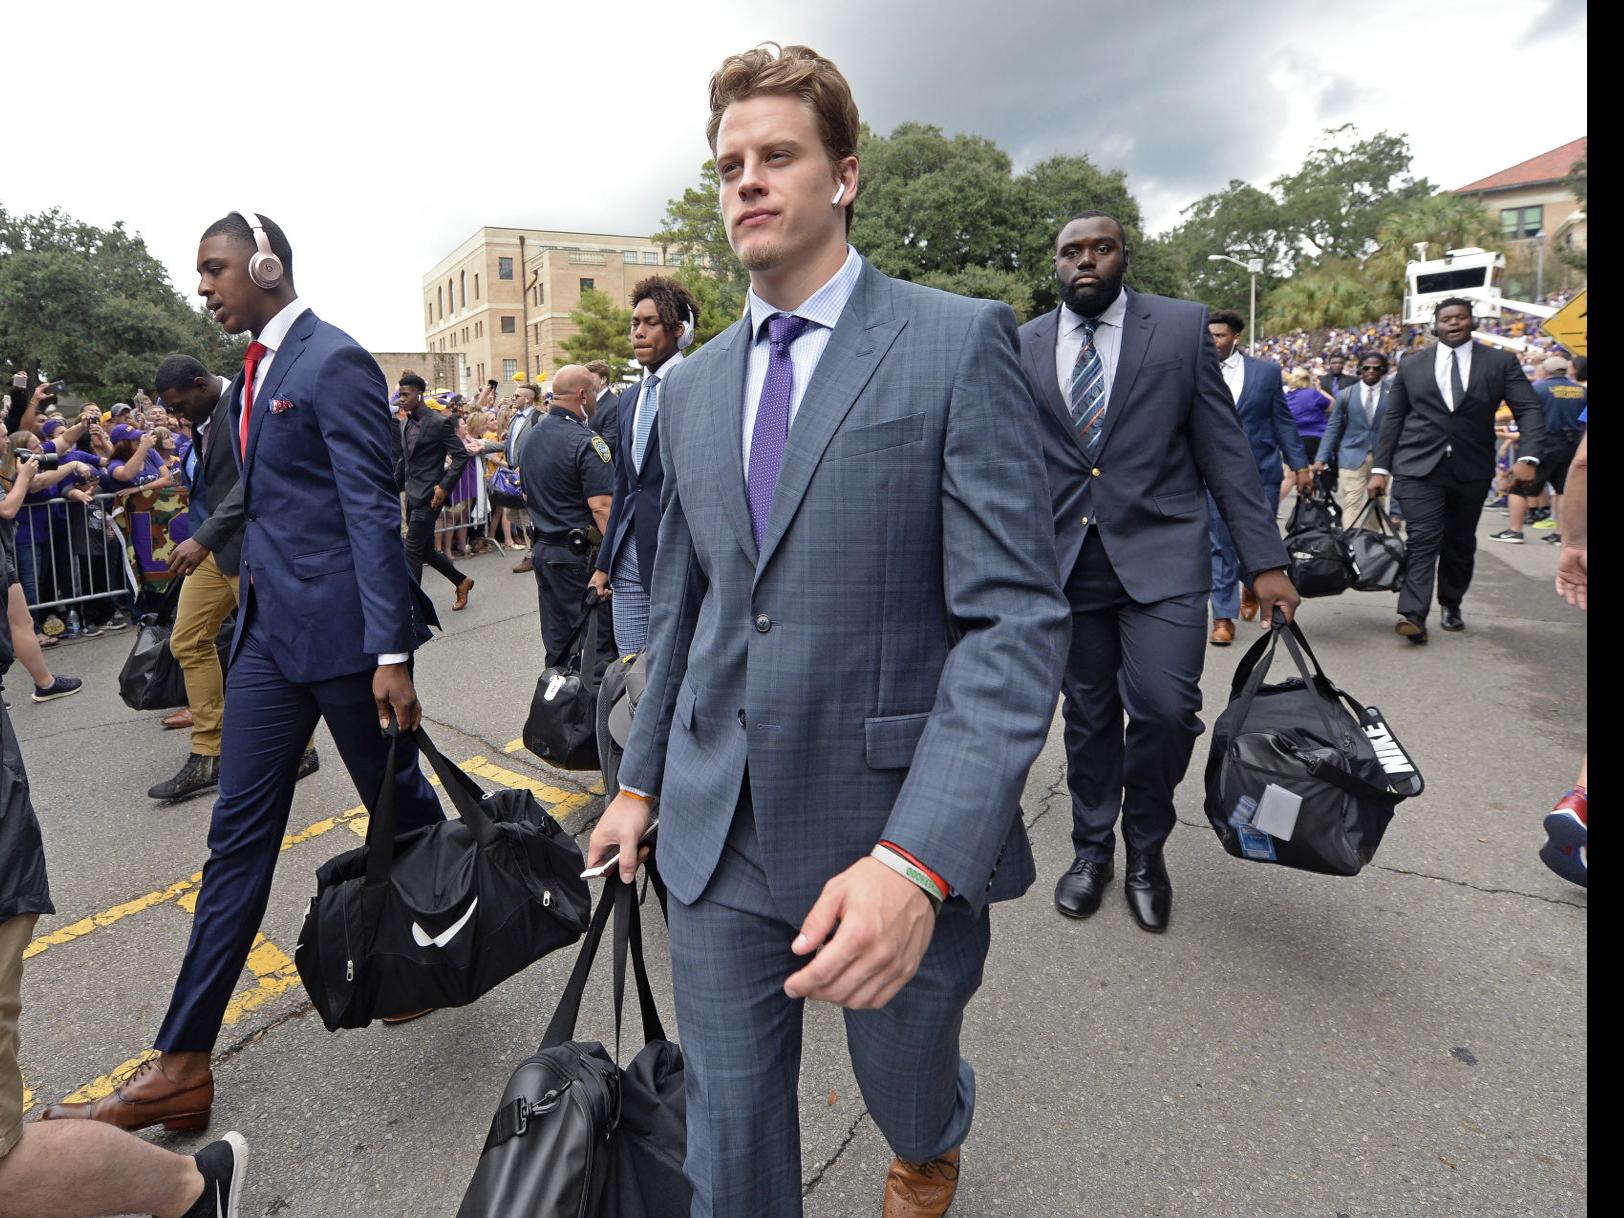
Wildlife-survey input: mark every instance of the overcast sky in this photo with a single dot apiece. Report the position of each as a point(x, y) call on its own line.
point(380, 136)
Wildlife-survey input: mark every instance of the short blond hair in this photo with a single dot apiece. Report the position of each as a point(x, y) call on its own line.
point(1301, 378)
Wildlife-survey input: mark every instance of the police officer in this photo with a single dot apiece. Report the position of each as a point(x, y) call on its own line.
point(568, 482)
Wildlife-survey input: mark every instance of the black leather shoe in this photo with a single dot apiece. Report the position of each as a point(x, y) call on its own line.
point(200, 773)
point(308, 764)
point(1450, 619)
point(1149, 891)
point(1412, 628)
point(1078, 893)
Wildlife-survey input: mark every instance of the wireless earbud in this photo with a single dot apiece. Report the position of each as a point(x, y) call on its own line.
point(839, 195)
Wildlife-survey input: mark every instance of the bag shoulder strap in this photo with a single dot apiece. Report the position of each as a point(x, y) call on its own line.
point(561, 1028)
point(629, 933)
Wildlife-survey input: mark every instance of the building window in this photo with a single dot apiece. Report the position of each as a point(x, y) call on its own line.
point(428, 314)
point(439, 296)
point(509, 368)
point(504, 268)
point(630, 257)
point(476, 285)
point(587, 285)
point(651, 257)
point(1520, 222)
point(507, 326)
point(462, 279)
point(465, 334)
point(541, 295)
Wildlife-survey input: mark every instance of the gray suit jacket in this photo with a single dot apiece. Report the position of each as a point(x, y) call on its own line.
point(887, 666)
point(1349, 438)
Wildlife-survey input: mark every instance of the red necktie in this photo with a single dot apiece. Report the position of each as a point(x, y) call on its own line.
point(250, 365)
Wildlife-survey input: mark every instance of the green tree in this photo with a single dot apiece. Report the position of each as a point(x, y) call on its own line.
point(1445, 221)
point(1243, 222)
point(1332, 293)
point(719, 307)
point(1340, 196)
point(600, 331)
point(1578, 181)
point(985, 283)
point(693, 228)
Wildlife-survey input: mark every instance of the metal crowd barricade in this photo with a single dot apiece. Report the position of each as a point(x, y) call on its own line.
point(80, 552)
point(467, 513)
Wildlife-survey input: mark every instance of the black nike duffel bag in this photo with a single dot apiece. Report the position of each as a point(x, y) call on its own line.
point(1376, 555)
point(1303, 748)
point(1314, 541)
point(438, 916)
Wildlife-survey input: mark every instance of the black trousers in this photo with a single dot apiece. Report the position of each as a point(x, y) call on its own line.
point(420, 547)
point(1441, 512)
point(561, 580)
point(1142, 660)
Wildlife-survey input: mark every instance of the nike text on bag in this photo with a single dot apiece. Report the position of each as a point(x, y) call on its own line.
point(1377, 557)
point(437, 916)
point(562, 728)
point(1304, 748)
point(1319, 556)
point(577, 1135)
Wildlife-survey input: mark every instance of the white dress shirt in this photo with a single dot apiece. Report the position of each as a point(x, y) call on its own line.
point(823, 309)
point(1440, 370)
point(1234, 370)
point(663, 371)
point(1107, 341)
point(272, 338)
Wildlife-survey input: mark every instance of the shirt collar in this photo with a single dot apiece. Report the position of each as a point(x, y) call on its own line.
point(822, 308)
point(1234, 360)
point(1113, 315)
point(276, 330)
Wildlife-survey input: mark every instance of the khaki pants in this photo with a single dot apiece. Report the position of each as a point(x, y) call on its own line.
point(1350, 488)
point(14, 935)
point(206, 598)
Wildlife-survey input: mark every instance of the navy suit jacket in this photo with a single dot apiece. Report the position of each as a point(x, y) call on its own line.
point(635, 509)
point(1267, 421)
point(324, 576)
point(1348, 438)
point(1170, 427)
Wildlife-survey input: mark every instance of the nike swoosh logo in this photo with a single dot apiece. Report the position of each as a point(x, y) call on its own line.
point(423, 939)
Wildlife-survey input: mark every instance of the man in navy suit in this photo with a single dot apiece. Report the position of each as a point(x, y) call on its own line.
point(322, 558)
point(1135, 418)
point(1260, 401)
point(1349, 442)
point(663, 312)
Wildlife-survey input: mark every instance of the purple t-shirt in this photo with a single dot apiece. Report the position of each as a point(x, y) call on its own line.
point(1308, 409)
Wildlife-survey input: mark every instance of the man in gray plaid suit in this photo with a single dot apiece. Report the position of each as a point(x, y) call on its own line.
point(856, 642)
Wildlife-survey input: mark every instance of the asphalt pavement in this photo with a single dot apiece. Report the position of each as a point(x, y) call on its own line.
point(1410, 1041)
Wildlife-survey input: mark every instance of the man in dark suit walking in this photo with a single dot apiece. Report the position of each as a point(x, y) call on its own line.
point(663, 318)
point(1336, 378)
point(422, 471)
point(1135, 418)
point(329, 619)
point(1438, 437)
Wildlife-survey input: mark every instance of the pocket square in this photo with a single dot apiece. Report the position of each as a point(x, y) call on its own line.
point(278, 405)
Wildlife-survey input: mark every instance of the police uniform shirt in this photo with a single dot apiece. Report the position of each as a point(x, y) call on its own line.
point(562, 464)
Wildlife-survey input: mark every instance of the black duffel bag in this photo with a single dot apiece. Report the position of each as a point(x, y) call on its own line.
point(1376, 555)
point(438, 916)
point(575, 1134)
point(152, 679)
point(1319, 556)
point(1308, 737)
point(562, 727)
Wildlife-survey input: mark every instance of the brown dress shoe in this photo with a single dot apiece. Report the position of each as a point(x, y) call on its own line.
point(148, 1098)
point(1248, 604)
point(181, 718)
point(921, 1190)
point(523, 565)
point(463, 589)
point(409, 1016)
point(1223, 632)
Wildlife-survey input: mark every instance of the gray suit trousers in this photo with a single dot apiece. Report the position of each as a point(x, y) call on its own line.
point(741, 1040)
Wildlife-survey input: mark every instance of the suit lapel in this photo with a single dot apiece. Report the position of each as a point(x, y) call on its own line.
point(1040, 356)
point(231, 432)
point(1477, 382)
point(1249, 375)
point(861, 339)
point(725, 401)
point(1137, 328)
point(626, 421)
point(288, 355)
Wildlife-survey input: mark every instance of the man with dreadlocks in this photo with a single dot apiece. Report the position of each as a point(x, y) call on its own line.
point(664, 316)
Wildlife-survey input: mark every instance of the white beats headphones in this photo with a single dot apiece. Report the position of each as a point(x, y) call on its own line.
point(264, 268)
point(685, 336)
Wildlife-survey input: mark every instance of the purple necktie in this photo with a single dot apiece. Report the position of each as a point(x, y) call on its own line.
point(771, 432)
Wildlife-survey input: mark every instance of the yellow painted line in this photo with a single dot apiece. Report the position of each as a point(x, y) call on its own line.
point(274, 974)
point(109, 1083)
point(513, 746)
point(28, 1098)
point(184, 892)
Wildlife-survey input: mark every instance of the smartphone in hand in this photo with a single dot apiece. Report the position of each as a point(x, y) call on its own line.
point(603, 868)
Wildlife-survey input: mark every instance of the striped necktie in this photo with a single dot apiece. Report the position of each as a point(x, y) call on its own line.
point(648, 406)
point(1087, 393)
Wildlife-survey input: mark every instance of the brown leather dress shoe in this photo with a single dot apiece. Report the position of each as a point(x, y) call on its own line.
point(181, 718)
point(150, 1097)
point(1248, 604)
point(922, 1190)
point(1223, 632)
point(463, 589)
point(523, 565)
point(409, 1016)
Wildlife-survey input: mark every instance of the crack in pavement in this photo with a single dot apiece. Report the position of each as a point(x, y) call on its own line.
point(817, 1176)
point(1056, 790)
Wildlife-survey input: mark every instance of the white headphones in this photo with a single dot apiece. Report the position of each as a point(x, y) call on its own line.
point(264, 268)
point(685, 336)
point(839, 195)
